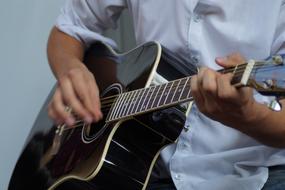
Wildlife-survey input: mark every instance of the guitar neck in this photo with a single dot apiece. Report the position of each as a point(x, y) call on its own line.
point(161, 96)
point(264, 76)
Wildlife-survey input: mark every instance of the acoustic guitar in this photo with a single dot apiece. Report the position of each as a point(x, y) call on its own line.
point(145, 97)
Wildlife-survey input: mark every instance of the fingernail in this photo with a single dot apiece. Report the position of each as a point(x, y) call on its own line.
point(100, 115)
point(88, 119)
point(70, 121)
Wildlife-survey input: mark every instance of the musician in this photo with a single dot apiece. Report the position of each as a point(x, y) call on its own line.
point(235, 141)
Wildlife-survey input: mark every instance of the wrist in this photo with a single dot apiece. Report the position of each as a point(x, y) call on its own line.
point(254, 117)
point(70, 64)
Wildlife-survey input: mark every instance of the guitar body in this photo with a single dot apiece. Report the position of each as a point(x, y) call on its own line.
point(113, 155)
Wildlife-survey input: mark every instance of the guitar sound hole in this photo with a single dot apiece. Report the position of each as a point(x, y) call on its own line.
point(94, 130)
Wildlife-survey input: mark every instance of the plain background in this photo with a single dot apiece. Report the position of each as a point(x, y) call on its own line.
point(25, 77)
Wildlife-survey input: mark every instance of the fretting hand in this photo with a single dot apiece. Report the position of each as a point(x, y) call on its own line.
point(218, 99)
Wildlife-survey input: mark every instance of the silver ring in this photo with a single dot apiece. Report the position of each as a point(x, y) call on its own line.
point(67, 109)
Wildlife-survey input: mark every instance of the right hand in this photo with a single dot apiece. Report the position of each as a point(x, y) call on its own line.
point(78, 90)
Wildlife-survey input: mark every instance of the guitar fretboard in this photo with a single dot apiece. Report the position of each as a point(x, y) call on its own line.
point(151, 98)
point(159, 96)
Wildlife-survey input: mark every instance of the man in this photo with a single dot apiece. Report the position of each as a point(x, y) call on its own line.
point(236, 138)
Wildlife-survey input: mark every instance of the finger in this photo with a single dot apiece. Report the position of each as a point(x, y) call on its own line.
point(226, 91)
point(230, 60)
point(81, 85)
point(209, 84)
point(70, 98)
point(198, 97)
point(53, 116)
point(57, 109)
point(94, 91)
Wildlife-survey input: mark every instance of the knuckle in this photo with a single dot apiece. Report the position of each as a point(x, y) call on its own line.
point(82, 94)
point(91, 76)
point(74, 72)
point(79, 110)
point(208, 87)
point(58, 112)
point(223, 95)
point(61, 81)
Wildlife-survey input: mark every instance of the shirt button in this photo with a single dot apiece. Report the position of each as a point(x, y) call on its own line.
point(185, 146)
point(194, 59)
point(197, 18)
point(186, 127)
point(177, 177)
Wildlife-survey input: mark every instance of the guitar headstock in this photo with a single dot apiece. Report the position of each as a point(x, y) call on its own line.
point(268, 77)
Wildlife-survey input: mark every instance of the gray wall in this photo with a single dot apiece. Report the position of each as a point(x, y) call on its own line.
point(25, 78)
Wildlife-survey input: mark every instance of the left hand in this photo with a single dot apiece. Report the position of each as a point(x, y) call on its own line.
point(218, 99)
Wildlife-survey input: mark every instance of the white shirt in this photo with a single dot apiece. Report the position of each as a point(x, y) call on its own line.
point(209, 155)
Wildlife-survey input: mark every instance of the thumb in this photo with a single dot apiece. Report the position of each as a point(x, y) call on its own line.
point(230, 60)
point(224, 62)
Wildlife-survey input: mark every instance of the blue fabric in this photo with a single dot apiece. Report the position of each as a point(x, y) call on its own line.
point(276, 179)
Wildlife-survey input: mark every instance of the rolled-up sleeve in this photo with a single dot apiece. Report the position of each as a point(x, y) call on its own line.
point(85, 20)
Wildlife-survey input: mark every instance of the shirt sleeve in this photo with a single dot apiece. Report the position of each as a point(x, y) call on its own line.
point(86, 20)
point(278, 46)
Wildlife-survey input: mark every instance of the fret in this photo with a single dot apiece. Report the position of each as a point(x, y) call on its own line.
point(185, 90)
point(166, 94)
point(133, 101)
point(120, 106)
point(162, 95)
point(116, 106)
point(175, 96)
point(152, 97)
point(189, 95)
point(142, 100)
point(238, 73)
point(143, 106)
point(172, 92)
point(156, 98)
point(151, 91)
point(128, 103)
point(235, 69)
point(178, 90)
point(139, 96)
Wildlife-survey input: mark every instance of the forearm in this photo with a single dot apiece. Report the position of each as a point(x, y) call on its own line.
point(266, 126)
point(77, 87)
point(64, 52)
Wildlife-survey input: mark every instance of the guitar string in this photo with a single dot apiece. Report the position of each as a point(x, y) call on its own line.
point(237, 71)
point(114, 96)
point(109, 102)
point(240, 68)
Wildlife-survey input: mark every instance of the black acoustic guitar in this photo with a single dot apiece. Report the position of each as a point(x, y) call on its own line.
point(145, 97)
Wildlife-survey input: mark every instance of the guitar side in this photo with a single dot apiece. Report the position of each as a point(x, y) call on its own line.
point(104, 155)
